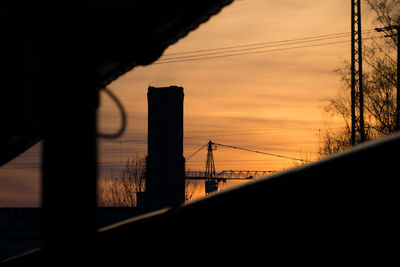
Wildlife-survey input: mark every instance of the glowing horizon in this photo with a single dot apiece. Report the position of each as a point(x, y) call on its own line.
point(269, 101)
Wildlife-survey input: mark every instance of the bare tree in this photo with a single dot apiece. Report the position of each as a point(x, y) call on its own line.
point(120, 188)
point(379, 82)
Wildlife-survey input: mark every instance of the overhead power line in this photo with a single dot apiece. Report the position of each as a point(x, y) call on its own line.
point(333, 35)
point(239, 52)
point(254, 52)
point(259, 47)
point(248, 53)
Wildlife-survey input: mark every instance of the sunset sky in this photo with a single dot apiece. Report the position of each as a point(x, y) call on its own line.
point(269, 98)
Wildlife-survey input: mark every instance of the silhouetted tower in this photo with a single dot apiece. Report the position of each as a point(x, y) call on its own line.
point(357, 94)
point(165, 164)
point(211, 184)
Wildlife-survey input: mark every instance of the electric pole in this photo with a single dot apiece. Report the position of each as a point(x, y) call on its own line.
point(398, 80)
point(389, 32)
point(356, 72)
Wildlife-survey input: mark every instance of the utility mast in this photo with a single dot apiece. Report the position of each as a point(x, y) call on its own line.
point(356, 73)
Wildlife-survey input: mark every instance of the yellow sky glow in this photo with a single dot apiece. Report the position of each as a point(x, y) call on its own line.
point(270, 101)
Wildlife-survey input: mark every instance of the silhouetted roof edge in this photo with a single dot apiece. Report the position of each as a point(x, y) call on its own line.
point(123, 68)
point(150, 29)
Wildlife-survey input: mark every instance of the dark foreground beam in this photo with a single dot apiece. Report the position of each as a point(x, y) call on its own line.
point(69, 102)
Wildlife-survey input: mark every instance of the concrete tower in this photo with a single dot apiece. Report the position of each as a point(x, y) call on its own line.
point(165, 164)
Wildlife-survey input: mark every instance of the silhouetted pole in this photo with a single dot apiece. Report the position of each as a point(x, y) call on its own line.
point(356, 72)
point(353, 91)
point(360, 74)
point(398, 80)
point(397, 28)
point(68, 100)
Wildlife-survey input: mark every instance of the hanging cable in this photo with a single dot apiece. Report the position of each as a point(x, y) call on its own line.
point(261, 152)
point(281, 42)
point(122, 112)
point(222, 55)
point(250, 48)
point(196, 152)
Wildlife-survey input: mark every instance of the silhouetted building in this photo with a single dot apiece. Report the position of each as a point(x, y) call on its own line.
point(165, 164)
